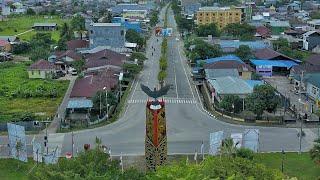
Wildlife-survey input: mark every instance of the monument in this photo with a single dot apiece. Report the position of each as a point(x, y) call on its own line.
point(156, 133)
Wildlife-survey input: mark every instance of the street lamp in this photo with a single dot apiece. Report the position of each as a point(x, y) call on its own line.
point(105, 88)
point(301, 120)
point(282, 164)
point(120, 79)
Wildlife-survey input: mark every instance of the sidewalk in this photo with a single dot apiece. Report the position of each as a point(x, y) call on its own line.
point(55, 124)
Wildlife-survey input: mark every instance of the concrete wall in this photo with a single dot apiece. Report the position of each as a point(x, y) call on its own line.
point(113, 36)
point(36, 74)
point(312, 91)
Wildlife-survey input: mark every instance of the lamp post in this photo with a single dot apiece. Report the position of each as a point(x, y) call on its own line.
point(282, 164)
point(105, 88)
point(120, 79)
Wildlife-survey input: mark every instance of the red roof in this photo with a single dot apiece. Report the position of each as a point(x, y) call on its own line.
point(74, 44)
point(229, 65)
point(3, 42)
point(89, 85)
point(42, 65)
point(69, 53)
point(103, 58)
point(270, 54)
point(263, 31)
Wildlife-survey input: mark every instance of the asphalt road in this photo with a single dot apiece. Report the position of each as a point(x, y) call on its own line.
point(187, 124)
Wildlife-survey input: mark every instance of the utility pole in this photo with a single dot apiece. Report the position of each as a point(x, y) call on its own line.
point(72, 142)
point(46, 139)
point(100, 104)
point(300, 89)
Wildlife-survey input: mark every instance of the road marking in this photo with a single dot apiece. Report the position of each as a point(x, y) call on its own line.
point(166, 100)
point(175, 78)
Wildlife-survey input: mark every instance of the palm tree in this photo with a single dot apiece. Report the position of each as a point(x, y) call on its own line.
point(315, 151)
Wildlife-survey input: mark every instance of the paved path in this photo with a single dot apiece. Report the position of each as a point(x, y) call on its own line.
point(55, 124)
point(24, 32)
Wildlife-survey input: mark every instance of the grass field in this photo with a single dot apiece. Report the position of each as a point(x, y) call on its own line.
point(20, 24)
point(295, 165)
point(14, 80)
point(11, 169)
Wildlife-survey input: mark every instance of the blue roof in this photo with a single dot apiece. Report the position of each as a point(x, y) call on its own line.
point(224, 58)
point(273, 63)
point(253, 83)
point(79, 103)
point(235, 44)
point(128, 24)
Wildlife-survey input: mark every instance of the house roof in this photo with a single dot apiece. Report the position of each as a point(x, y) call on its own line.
point(313, 59)
point(224, 58)
point(253, 83)
point(240, 66)
point(312, 78)
point(44, 24)
point(75, 44)
point(69, 53)
point(271, 54)
point(310, 33)
point(103, 58)
point(237, 43)
point(273, 63)
point(230, 85)
point(78, 103)
point(11, 38)
point(306, 68)
point(105, 24)
point(42, 65)
point(89, 85)
point(263, 31)
point(279, 24)
point(214, 73)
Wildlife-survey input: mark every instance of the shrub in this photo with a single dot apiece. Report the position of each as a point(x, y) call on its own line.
point(245, 153)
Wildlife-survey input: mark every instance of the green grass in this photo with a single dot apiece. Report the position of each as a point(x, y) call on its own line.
point(24, 23)
point(295, 165)
point(15, 77)
point(11, 169)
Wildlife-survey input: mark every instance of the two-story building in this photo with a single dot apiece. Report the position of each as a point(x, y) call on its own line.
point(107, 34)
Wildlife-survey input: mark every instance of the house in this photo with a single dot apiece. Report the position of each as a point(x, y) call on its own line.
point(134, 25)
point(311, 40)
point(267, 68)
point(120, 8)
point(270, 54)
point(313, 86)
point(107, 34)
point(42, 69)
point(278, 27)
point(294, 6)
point(313, 60)
point(215, 73)
point(263, 32)
point(314, 24)
point(90, 84)
point(45, 26)
point(228, 85)
point(104, 59)
point(11, 39)
point(244, 70)
point(77, 44)
point(5, 46)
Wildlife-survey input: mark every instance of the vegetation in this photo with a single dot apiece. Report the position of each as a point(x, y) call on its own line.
point(283, 46)
point(79, 65)
point(134, 37)
point(20, 96)
point(133, 69)
point(183, 23)
point(40, 46)
point(19, 24)
point(154, 18)
point(208, 29)
point(140, 57)
point(231, 103)
point(100, 96)
point(315, 152)
point(241, 31)
point(262, 99)
point(244, 53)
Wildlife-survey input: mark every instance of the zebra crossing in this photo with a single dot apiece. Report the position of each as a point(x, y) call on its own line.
point(168, 101)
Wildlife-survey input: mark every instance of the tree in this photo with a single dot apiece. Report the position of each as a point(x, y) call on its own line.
point(315, 151)
point(242, 31)
point(90, 164)
point(30, 12)
point(231, 103)
point(154, 18)
point(40, 46)
point(78, 24)
point(134, 37)
point(244, 52)
point(208, 29)
point(262, 99)
point(204, 50)
point(280, 44)
point(227, 148)
point(78, 65)
point(139, 56)
point(101, 95)
point(133, 69)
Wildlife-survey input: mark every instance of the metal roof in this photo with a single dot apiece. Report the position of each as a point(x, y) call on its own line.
point(44, 24)
point(79, 103)
point(224, 58)
point(254, 83)
point(230, 85)
point(273, 63)
point(236, 44)
point(214, 73)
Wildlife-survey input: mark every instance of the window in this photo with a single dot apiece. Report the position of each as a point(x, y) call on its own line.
point(200, 14)
point(314, 90)
point(237, 14)
point(230, 14)
point(207, 14)
point(240, 73)
point(122, 32)
point(91, 31)
point(39, 72)
point(31, 72)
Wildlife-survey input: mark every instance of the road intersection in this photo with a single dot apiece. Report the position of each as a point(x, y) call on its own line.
point(187, 122)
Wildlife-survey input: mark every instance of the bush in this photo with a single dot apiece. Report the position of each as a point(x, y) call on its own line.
point(245, 153)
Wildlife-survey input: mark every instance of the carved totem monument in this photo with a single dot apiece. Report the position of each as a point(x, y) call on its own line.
point(156, 131)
